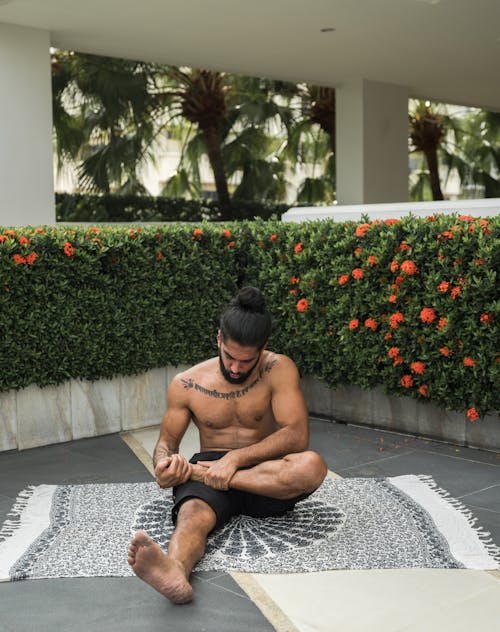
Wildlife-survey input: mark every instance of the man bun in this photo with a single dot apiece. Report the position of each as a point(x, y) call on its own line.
point(251, 299)
point(246, 319)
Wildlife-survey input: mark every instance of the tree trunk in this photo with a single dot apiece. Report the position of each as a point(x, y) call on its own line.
point(432, 163)
point(212, 141)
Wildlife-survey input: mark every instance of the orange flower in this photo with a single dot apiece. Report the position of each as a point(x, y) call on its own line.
point(69, 251)
point(424, 390)
point(372, 260)
point(418, 367)
point(395, 319)
point(31, 258)
point(343, 279)
point(294, 280)
point(371, 323)
point(226, 233)
point(430, 218)
point(399, 280)
point(455, 292)
point(445, 351)
point(358, 273)
point(40, 231)
point(273, 237)
point(231, 244)
point(485, 318)
point(294, 292)
point(3, 238)
point(466, 218)
point(469, 362)
point(427, 315)
point(484, 225)
point(358, 251)
point(160, 256)
point(406, 381)
point(298, 248)
point(354, 324)
point(443, 286)
point(392, 298)
point(408, 267)
point(24, 241)
point(198, 232)
point(404, 247)
point(393, 352)
point(394, 266)
point(472, 414)
point(18, 259)
point(398, 360)
point(447, 234)
point(302, 305)
point(479, 262)
point(442, 324)
point(390, 222)
point(96, 231)
point(362, 229)
point(388, 336)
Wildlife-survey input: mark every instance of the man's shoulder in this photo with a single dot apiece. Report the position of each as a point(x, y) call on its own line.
point(194, 373)
point(278, 363)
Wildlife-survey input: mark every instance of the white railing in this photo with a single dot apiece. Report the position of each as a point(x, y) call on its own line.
point(341, 213)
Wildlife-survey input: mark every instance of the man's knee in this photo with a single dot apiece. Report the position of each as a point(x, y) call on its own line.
point(308, 471)
point(195, 512)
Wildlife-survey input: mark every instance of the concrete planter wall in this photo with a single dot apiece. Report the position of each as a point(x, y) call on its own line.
point(41, 416)
point(374, 408)
point(76, 409)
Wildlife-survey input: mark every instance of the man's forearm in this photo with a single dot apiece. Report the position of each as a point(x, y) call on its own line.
point(284, 441)
point(162, 451)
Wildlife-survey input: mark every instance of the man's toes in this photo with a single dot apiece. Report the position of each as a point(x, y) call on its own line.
point(141, 538)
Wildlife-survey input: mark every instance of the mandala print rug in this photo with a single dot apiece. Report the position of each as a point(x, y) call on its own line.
point(357, 523)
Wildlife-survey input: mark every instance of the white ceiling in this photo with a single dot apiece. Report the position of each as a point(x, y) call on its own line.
point(443, 50)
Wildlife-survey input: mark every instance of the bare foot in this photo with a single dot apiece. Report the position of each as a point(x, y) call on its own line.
point(165, 575)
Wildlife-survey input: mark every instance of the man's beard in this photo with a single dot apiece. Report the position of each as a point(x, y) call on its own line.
point(242, 377)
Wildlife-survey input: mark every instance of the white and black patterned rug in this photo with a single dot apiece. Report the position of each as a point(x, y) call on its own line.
point(357, 523)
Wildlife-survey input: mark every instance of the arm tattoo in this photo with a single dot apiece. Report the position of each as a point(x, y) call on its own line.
point(190, 383)
point(161, 453)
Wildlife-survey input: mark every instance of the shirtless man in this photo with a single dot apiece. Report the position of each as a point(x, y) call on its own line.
point(254, 460)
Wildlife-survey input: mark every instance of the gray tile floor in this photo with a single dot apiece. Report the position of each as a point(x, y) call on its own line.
point(127, 604)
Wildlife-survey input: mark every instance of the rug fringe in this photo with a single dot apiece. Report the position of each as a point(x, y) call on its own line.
point(9, 527)
point(484, 536)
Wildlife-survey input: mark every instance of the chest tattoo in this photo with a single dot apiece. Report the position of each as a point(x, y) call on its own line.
point(189, 383)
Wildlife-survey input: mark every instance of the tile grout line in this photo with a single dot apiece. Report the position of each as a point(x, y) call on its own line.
point(381, 460)
point(461, 458)
point(478, 491)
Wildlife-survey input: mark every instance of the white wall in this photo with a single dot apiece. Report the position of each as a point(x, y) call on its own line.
point(26, 180)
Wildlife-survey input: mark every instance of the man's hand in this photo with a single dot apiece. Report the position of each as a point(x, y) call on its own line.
point(218, 474)
point(172, 470)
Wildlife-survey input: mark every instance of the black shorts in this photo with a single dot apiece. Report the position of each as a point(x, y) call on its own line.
point(227, 504)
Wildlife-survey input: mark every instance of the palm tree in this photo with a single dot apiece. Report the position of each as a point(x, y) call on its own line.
point(103, 118)
point(465, 143)
point(427, 131)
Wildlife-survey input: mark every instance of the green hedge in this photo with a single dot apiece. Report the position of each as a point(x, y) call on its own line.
point(75, 207)
point(411, 305)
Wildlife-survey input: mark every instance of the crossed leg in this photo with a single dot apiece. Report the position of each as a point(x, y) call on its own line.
point(289, 477)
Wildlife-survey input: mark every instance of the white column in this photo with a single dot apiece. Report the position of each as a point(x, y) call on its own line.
point(26, 171)
point(372, 142)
